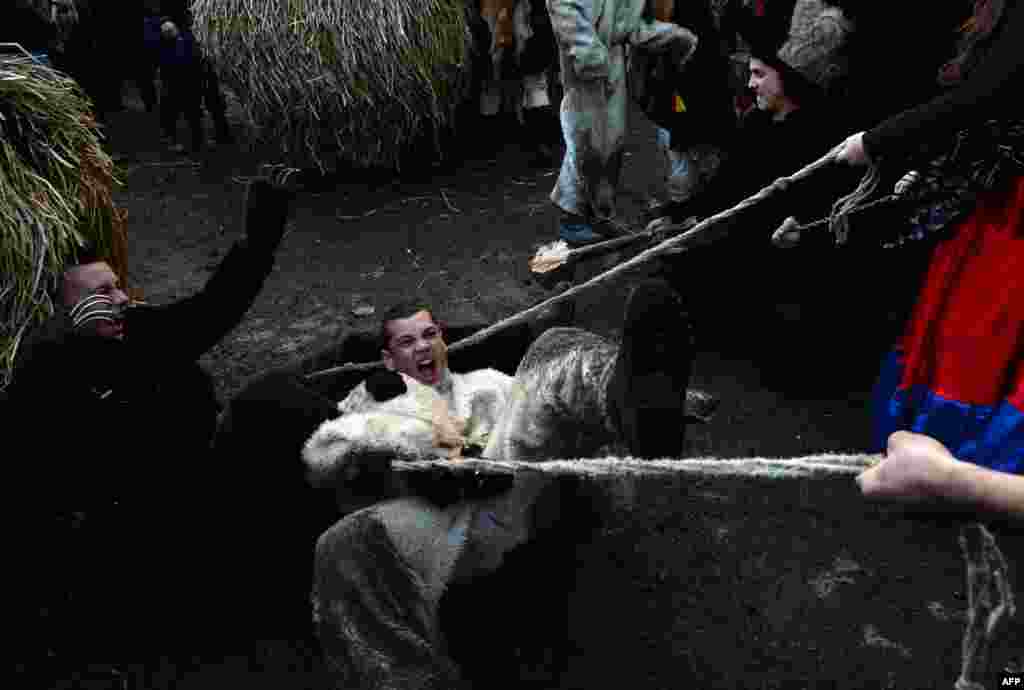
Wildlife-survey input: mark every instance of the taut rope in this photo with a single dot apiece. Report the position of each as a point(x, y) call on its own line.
point(675, 244)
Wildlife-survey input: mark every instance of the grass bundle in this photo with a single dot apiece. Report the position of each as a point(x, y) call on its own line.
point(56, 187)
point(359, 80)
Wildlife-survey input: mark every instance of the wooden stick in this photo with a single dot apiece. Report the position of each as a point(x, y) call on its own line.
point(608, 246)
point(682, 241)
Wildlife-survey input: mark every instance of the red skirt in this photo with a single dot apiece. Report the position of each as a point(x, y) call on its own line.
point(957, 373)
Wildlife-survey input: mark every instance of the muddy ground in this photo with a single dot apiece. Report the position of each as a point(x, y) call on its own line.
point(461, 238)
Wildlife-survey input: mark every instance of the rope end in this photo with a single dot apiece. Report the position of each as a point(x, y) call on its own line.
point(787, 235)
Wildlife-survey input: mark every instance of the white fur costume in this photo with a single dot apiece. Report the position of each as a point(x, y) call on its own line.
point(425, 421)
point(380, 572)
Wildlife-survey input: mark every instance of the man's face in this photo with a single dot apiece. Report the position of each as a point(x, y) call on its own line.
point(766, 83)
point(416, 347)
point(95, 278)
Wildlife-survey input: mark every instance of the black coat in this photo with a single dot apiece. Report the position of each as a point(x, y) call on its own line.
point(990, 91)
point(761, 151)
point(107, 417)
point(702, 83)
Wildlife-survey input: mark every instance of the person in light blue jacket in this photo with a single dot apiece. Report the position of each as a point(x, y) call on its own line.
point(593, 37)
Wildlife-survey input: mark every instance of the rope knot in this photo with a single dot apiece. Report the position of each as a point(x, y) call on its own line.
point(838, 220)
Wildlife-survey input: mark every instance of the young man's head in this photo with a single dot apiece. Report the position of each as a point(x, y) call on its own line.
point(769, 86)
point(796, 56)
point(90, 291)
point(169, 31)
point(413, 343)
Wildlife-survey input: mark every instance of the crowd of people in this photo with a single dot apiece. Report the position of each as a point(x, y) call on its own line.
point(950, 399)
point(105, 45)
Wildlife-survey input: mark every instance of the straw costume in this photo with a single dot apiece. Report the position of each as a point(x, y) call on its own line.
point(56, 195)
point(315, 76)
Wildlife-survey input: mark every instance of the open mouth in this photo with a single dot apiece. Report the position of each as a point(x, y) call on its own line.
point(427, 369)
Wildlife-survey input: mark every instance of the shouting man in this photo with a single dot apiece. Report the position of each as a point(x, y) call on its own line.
point(381, 571)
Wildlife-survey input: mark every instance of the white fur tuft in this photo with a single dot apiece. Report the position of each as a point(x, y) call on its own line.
point(405, 426)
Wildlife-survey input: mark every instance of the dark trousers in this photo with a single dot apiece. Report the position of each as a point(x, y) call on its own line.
point(182, 95)
point(186, 89)
point(142, 71)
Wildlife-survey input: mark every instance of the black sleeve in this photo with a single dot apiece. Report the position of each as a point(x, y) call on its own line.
point(981, 96)
point(192, 326)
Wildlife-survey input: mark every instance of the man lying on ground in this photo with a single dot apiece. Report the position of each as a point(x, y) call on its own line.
point(381, 571)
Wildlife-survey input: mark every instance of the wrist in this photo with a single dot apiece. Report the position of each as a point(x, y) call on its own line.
point(956, 481)
point(865, 147)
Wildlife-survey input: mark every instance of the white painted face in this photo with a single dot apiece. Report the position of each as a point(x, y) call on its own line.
point(766, 83)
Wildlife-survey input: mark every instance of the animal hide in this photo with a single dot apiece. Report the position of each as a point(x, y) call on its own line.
point(423, 422)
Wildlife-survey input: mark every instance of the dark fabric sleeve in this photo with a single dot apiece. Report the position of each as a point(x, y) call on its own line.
point(52, 409)
point(192, 326)
point(984, 94)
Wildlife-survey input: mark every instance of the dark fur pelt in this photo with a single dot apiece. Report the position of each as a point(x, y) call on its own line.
point(527, 626)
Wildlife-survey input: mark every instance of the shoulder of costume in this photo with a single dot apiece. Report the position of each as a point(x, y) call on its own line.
point(355, 400)
point(479, 378)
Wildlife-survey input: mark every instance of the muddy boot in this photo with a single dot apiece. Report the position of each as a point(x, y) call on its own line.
point(577, 231)
point(647, 390)
point(669, 212)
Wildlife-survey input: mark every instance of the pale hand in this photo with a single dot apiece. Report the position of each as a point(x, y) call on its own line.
point(852, 151)
point(915, 468)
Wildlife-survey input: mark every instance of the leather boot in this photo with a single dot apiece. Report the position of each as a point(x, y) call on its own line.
point(647, 390)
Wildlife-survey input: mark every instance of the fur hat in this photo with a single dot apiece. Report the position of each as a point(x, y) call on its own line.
point(813, 47)
point(817, 37)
